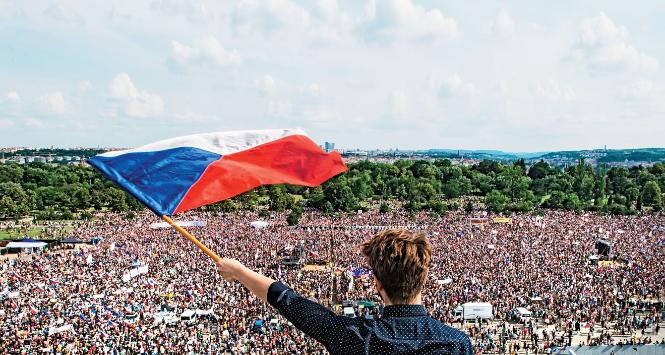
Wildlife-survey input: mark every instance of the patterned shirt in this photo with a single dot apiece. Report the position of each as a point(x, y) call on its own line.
point(402, 329)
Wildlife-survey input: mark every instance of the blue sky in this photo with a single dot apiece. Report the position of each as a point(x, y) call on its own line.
point(512, 75)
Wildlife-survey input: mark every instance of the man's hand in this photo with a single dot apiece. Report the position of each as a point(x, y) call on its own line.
point(229, 269)
point(232, 270)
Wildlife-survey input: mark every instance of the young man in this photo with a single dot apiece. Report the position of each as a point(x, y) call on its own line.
point(400, 261)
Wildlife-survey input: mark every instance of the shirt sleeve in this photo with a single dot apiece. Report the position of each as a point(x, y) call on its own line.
point(312, 318)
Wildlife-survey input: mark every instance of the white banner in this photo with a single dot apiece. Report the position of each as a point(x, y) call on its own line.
point(164, 225)
point(64, 328)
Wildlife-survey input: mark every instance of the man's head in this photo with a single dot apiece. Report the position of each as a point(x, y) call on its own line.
point(400, 260)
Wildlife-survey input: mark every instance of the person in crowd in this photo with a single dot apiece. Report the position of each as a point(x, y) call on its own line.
point(86, 299)
point(400, 260)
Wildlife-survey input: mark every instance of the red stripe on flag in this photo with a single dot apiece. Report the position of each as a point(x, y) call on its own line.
point(294, 160)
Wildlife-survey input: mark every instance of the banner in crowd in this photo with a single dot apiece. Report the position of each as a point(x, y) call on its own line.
point(367, 227)
point(502, 220)
point(127, 276)
point(164, 225)
point(56, 330)
point(360, 272)
point(478, 220)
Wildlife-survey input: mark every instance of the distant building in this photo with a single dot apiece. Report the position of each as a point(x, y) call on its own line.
point(329, 147)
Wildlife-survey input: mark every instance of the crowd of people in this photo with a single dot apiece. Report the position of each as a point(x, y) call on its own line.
point(94, 299)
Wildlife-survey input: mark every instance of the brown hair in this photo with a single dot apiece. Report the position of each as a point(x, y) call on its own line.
point(400, 260)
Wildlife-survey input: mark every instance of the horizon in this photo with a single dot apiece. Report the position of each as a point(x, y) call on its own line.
point(450, 150)
point(405, 74)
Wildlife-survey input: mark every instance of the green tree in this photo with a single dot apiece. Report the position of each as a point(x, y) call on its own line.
point(496, 201)
point(339, 194)
point(117, 201)
point(278, 199)
point(513, 182)
point(539, 170)
point(80, 197)
point(327, 208)
point(11, 173)
point(295, 214)
point(8, 208)
point(316, 198)
point(18, 202)
point(438, 207)
point(652, 196)
point(383, 208)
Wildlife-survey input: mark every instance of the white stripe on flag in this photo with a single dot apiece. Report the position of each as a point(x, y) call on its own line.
point(222, 143)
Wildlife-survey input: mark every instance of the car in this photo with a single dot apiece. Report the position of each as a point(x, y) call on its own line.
point(349, 312)
point(522, 314)
point(188, 316)
point(207, 314)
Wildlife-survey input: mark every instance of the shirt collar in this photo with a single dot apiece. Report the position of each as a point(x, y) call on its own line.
point(404, 310)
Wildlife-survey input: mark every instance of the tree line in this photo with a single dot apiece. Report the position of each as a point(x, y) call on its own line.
point(70, 191)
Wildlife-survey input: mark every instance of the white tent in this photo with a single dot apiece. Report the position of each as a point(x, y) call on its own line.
point(259, 224)
point(25, 245)
point(444, 281)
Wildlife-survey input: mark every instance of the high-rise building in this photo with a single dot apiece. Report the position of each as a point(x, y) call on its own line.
point(329, 147)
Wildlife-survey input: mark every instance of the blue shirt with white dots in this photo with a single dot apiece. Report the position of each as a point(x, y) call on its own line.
point(402, 329)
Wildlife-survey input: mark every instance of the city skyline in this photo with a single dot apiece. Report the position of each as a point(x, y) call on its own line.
point(513, 76)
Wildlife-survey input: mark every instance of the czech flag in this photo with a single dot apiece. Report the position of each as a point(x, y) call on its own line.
point(183, 173)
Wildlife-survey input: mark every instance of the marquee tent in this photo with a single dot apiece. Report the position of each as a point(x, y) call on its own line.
point(24, 244)
point(258, 224)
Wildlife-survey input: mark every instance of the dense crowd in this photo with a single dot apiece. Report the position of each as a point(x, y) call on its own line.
point(85, 301)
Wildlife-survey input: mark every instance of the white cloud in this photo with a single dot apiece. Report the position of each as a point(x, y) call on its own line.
point(5, 123)
point(191, 117)
point(53, 102)
point(64, 14)
point(266, 85)
point(503, 24)
point(313, 89)
point(268, 16)
point(13, 97)
point(552, 91)
point(84, 86)
point(605, 47)
point(206, 51)
point(329, 22)
point(399, 103)
point(33, 122)
point(194, 11)
point(453, 86)
point(279, 108)
point(637, 90)
point(137, 103)
point(402, 19)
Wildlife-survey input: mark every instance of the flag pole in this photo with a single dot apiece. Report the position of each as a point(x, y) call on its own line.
point(192, 239)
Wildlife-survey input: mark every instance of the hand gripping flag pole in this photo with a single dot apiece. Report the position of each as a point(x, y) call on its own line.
point(183, 173)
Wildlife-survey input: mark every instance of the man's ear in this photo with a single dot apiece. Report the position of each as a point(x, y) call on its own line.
point(379, 286)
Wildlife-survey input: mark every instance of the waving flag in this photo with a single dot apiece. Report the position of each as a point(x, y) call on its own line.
point(183, 173)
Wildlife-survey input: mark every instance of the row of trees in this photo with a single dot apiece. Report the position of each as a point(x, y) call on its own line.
point(58, 192)
point(63, 191)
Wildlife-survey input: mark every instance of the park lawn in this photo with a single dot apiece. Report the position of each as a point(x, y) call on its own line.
point(32, 233)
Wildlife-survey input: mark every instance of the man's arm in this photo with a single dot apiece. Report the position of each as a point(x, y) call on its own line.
point(310, 317)
point(233, 270)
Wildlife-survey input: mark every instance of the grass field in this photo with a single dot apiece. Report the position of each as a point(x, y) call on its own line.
point(32, 233)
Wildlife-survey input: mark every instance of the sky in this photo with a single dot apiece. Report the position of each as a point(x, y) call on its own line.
point(406, 74)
